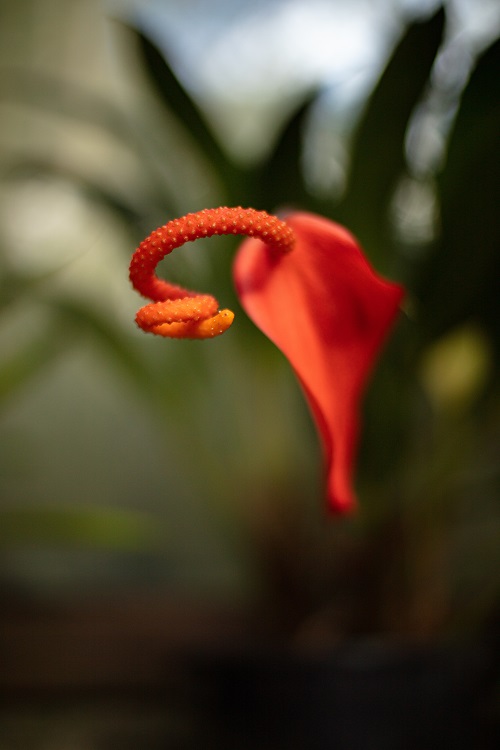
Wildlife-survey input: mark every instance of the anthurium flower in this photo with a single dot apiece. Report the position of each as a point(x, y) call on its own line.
point(307, 285)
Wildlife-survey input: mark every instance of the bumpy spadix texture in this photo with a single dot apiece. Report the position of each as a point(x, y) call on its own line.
point(180, 313)
point(329, 313)
point(307, 285)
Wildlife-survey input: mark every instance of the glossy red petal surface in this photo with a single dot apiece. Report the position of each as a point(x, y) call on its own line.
point(327, 310)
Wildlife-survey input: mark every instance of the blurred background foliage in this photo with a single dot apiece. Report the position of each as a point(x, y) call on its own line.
point(130, 463)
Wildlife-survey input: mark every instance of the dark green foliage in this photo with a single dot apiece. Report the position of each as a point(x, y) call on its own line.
point(377, 157)
point(279, 180)
point(461, 279)
point(180, 103)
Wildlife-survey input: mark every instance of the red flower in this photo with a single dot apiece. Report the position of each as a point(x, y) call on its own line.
point(328, 312)
point(310, 290)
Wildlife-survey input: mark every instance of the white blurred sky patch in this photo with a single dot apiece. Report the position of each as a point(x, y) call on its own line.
point(270, 45)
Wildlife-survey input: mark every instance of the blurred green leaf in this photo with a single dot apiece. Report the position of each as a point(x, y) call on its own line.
point(279, 179)
point(378, 148)
point(94, 527)
point(77, 316)
point(71, 318)
point(72, 102)
point(18, 369)
point(126, 209)
point(460, 281)
point(39, 89)
point(179, 102)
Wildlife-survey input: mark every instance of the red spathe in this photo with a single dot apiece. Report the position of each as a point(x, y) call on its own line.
point(327, 310)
